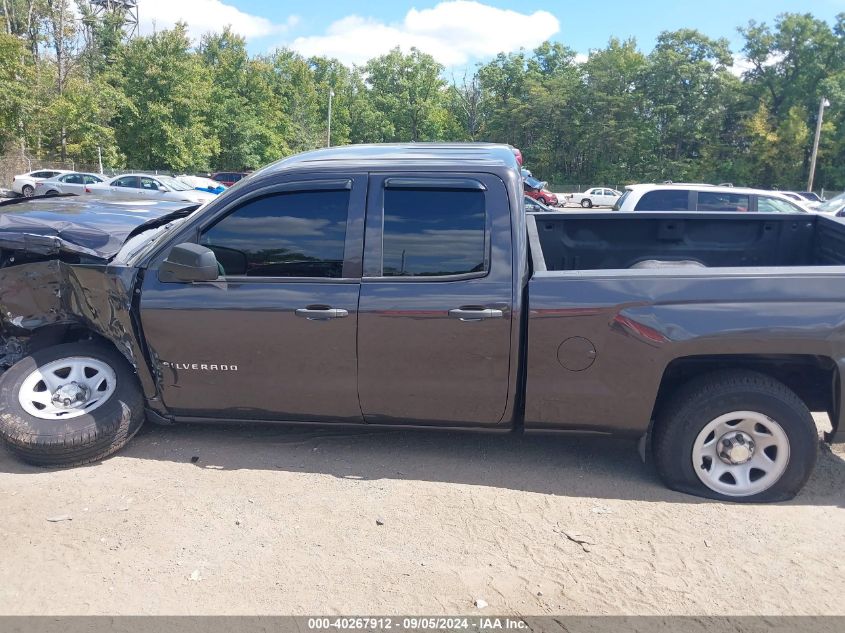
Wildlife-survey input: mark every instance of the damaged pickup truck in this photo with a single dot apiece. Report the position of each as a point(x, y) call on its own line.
point(406, 286)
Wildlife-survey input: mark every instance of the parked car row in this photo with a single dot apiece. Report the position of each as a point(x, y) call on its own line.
point(52, 182)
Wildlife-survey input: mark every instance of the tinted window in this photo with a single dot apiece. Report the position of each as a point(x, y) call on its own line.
point(43, 174)
point(765, 204)
point(297, 234)
point(433, 232)
point(90, 180)
point(716, 201)
point(73, 179)
point(128, 181)
point(664, 200)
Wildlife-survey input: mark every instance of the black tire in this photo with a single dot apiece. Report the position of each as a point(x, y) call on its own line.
point(703, 399)
point(587, 203)
point(52, 192)
point(27, 191)
point(74, 441)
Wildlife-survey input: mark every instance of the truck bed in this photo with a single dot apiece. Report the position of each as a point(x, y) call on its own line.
point(615, 302)
point(621, 241)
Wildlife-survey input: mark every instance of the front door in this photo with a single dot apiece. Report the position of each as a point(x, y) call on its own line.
point(434, 324)
point(274, 337)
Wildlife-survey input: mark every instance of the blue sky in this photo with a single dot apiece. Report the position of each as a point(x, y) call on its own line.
point(462, 32)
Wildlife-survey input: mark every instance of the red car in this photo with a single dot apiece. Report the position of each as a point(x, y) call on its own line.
point(537, 189)
point(229, 178)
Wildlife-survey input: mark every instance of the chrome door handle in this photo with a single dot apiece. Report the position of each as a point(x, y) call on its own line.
point(475, 314)
point(321, 313)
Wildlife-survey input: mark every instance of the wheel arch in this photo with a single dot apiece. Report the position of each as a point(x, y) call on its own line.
point(816, 380)
point(53, 334)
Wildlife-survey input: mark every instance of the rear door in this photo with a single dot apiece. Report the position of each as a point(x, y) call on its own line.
point(274, 337)
point(125, 187)
point(435, 312)
point(72, 183)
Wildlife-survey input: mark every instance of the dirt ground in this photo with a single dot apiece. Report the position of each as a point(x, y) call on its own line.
point(292, 520)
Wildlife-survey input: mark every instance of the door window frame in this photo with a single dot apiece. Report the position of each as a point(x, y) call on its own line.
point(353, 248)
point(373, 265)
point(137, 184)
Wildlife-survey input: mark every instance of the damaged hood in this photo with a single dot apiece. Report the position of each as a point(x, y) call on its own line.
point(81, 225)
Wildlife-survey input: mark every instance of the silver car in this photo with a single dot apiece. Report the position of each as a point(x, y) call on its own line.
point(74, 182)
point(147, 187)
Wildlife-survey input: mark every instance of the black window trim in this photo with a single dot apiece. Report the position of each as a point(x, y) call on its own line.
point(323, 184)
point(375, 225)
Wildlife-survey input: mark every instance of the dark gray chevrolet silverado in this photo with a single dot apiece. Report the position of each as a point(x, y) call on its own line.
point(405, 285)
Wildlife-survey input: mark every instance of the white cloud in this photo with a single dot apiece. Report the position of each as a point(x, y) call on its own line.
point(743, 65)
point(453, 32)
point(203, 16)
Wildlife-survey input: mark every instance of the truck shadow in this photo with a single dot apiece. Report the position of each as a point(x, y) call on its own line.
point(596, 467)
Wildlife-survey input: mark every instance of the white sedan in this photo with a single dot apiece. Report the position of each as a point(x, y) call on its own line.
point(73, 182)
point(146, 187)
point(596, 197)
point(24, 184)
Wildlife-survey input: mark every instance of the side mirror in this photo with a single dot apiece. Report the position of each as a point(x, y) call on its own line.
point(189, 262)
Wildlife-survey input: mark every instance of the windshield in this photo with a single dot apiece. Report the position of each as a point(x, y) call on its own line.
point(832, 205)
point(176, 185)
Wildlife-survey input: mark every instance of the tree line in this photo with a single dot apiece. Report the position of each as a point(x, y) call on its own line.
point(72, 84)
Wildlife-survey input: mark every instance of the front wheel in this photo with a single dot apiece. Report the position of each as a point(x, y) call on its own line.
point(69, 405)
point(587, 203)
point(736, 436)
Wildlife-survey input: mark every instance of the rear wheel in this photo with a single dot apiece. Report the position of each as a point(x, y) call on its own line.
point(28, 191)
point(52, 192)
point(735, 435)
point(587, 203)
point(69, 405)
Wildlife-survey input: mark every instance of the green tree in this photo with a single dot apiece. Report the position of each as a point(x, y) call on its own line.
point(408, 90)
point(685, 86)
point(15, 90)
point(163, 124)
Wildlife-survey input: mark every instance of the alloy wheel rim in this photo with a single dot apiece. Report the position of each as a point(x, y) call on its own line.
point(67, 388)
point(741, 453)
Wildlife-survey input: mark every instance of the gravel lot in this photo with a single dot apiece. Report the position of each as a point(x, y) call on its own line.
point(293, 520)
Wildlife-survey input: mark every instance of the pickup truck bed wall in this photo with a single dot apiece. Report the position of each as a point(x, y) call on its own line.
point(608, 334)
point(617, 241)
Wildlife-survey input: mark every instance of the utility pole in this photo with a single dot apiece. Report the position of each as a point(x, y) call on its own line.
point(100, 157)
point(822, 105)
point(329, 133)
